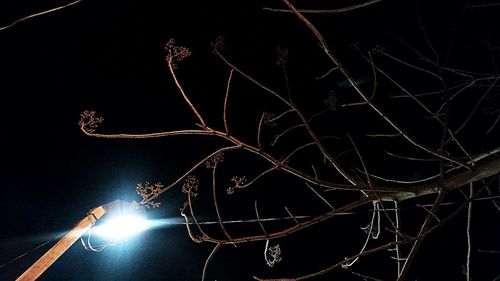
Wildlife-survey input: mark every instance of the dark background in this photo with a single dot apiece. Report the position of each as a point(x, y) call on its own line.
point(108, 56)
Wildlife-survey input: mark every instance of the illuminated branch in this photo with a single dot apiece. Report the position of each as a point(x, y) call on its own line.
point(333, 11)
point(39, 14)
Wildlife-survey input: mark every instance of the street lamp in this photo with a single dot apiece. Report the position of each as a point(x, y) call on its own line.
point(122, 220)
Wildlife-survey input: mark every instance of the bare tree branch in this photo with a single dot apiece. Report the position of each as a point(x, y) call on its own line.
point(39, 14)
point(333, 11)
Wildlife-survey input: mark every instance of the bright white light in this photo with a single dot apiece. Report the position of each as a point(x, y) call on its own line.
point(121, 227)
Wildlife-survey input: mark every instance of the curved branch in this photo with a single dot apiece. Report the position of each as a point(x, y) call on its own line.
point(212, 254)
point(216, 205)
point(184, 96)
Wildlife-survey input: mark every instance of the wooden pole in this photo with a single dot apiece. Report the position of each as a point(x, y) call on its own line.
point(60, 247)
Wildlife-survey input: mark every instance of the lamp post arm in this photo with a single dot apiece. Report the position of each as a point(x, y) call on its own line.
point(61, 246)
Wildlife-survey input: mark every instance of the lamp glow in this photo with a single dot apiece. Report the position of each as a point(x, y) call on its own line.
point(121, 227)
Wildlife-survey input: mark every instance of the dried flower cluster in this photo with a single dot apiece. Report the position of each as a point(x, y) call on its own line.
point(175, 53)
point(218, 44)
point(239, 182)
point(272, 255)
point(148, 192)
point(214, 160)
point(89, 122)
point(190, 186)
point(270, 119)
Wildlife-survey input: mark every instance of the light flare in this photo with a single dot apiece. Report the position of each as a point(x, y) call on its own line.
point(121, 227)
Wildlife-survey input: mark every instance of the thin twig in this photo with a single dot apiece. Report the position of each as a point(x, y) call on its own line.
point(331, 11)
point(468, 232)
point(188, 226)
point(209, 258)
point(259, 129)
point(184, 96)
point(287, 82)
point(316, 192)
point(414, 50)
point(287, 158)
point(368, 180)
point(409, 64)
point(370, 185)
point(258, 218)
point(263, 173)
point(375, 77)
point(428, 40)
point(468, 85)
point(493, 125)
point(271, 120)
point(399, 260)
point(420, 237)
point(383, 135)
point(368, 236)
point(288, 130)
point(216, 204)
point(291, 215)
point(327, 73)
point(488, 251)
point(226, 127)
point(483, 5)
point(39, 14)
point(430, 212)
point(476, 106)
point(401, 181)
point(410, 158)
point(366, 277)
point(320, 197)
point(200, 229)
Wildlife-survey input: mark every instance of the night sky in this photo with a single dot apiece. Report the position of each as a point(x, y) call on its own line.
point(109, 57)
